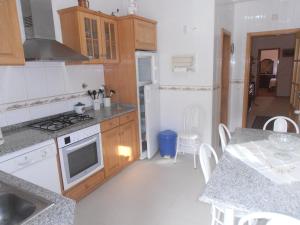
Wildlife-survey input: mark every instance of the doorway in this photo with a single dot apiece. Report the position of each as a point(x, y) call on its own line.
point(225, 71)
point(268, 76)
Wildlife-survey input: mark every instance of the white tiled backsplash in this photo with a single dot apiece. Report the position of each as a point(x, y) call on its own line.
point(40, 89)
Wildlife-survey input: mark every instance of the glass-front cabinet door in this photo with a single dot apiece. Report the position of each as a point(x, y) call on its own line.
point(110, 39)
point(91, 37)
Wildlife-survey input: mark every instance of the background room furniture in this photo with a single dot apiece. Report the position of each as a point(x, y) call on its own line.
point(281, 124)
point(264, 80)
point(190, 136)
point(225, 135)
point(271, 218)
point(266, 66)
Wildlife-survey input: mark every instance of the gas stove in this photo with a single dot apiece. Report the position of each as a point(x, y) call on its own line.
point(61, 122)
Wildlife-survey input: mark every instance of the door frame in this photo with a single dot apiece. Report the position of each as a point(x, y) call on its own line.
point(224, 33)
point(247, 63)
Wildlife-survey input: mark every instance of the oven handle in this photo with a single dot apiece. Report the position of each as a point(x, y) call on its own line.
point(75, 146)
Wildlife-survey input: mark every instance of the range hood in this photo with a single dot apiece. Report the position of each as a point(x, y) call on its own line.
point(40, 43)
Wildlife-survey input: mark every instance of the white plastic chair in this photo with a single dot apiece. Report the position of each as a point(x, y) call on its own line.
point(270, 218)
point(280, 124)
point(204, 154)
point(190, 137)
point(225, 135)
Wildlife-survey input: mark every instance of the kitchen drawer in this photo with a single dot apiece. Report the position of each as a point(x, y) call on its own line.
point(127, 117)
point(109, 124)
point(85, 187)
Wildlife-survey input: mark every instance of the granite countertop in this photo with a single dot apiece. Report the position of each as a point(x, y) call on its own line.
point(19, 137)
point(61, 212)
point(235, 185)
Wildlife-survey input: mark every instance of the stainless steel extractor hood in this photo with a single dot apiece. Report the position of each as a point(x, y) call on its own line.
point(40, 43)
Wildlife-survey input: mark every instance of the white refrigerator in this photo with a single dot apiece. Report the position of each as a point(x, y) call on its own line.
point(148, 102)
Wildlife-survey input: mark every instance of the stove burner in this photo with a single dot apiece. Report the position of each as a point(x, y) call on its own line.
point(60, 122)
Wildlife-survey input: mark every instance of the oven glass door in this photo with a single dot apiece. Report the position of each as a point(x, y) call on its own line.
point(81, 159)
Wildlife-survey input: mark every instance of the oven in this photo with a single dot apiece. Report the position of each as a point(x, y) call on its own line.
point(80, 155)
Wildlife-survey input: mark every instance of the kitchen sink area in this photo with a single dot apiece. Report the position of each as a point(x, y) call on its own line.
point(22, 202)
point(17, 206)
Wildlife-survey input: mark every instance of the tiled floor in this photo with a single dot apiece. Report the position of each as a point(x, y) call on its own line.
point(155, 192)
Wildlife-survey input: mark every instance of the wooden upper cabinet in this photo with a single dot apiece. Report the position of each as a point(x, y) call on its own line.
point(81, 31)
point(145, 35)
point(110, 39)
point(91, 33)
point(11, 47)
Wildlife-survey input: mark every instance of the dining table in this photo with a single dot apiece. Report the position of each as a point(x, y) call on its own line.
point(247, 183)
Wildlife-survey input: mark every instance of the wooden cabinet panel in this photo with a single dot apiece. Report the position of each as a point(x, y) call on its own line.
point(109, 124)
point(294, 98)
point(110, 40)
point(110, 145)
point(11, 48)
point(128, 143)
point(127, 117)
point(145, 35)
point(85, 187)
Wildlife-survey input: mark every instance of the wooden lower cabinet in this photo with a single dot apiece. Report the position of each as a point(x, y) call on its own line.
point(85, 187)
point(110, 145)
point(120, 146)
point(128, 140)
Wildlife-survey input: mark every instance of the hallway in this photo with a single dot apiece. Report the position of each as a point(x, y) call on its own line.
point(268, 107)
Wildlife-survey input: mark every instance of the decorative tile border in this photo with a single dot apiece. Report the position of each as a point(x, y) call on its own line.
point(186, 88)
point(38, 102)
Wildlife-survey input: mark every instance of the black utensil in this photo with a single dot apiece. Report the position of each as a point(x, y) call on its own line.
point(94, 93)
point(90, 94)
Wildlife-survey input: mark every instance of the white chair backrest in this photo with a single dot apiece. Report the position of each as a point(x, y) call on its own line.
point(280, 124)
point(272, 219)
point(225, 135)
point(192, 115)
point(205, 152)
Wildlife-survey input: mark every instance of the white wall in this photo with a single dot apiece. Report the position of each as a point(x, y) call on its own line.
point(224, 15)
point(256, 16)
point(51, 87)
point(184, 28)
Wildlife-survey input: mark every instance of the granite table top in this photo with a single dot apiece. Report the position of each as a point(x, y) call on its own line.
point(61, 212)
point(235, 185)
point(19, 137)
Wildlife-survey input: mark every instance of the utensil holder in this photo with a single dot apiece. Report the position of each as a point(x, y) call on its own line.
point(96, 104)
point(107, 102)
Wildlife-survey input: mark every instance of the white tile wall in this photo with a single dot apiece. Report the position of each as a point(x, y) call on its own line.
point(39, 80)
point(172, 114)
point(12, 84)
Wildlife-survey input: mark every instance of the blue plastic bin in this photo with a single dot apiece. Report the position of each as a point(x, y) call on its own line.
point(167, 143)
